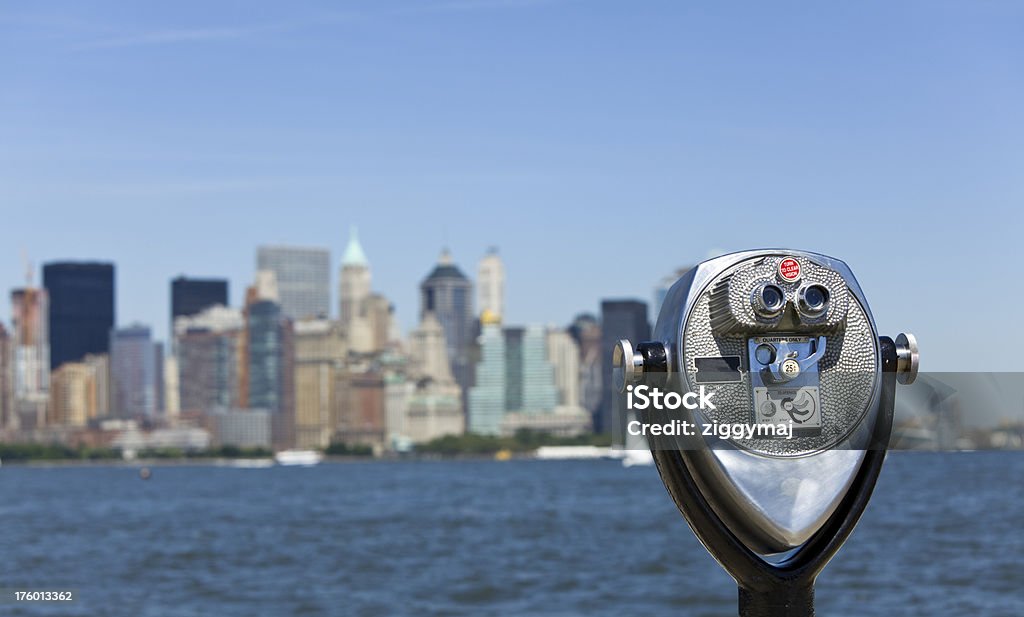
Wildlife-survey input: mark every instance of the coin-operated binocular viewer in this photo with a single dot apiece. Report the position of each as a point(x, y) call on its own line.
point(781, 340)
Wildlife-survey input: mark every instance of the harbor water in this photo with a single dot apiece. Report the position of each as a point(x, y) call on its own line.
point(942, 536)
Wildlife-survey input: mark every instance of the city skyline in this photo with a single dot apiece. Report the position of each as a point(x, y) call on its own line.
point(407, 319)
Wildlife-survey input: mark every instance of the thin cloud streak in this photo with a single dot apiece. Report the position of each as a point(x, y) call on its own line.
point(186, 35)
point(213, 34)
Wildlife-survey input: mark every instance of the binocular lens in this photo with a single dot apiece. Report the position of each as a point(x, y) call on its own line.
point(813, 299)
point(769, 300)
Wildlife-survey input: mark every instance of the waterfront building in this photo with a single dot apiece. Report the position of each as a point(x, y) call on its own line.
point(361, 408)
point(434, 410)
point(487, 399)
point(73, 395)
point(185, 438)
point(398, 390)
point(81, 309)
point(242, 428)
point(516, 384)
point(539, 394)
point(303, 279)
point(320, 351)
point(560, 422)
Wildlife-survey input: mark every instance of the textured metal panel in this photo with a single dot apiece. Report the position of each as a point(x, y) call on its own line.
point(849, 370)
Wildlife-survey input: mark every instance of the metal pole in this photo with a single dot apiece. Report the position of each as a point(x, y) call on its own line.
point(783, 601)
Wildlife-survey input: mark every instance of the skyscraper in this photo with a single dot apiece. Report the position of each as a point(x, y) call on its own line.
point(434, 406)
point(208, 358)
point(30, 343)
point(100, 367)
point(448, 294)
point(136, 372)
point(29, 360)
point(490, 284)
point(564, 356)
point(620, 319)
point(429, 351)
point(191, 296)
point(361, 408)
point(81, 313)
point(380, 322)
point(303, 279)
point(514, 367)
point(73, 400)
point(271, 367)
point(366, 316)
point(586, 331)
point(320, 352)
point(354, 281)
point(513, 376)
point(172, 387)
point(487, 399)
point(539, 394)
point(266, 356)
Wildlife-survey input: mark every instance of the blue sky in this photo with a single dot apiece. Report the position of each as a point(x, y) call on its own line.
point(598, 144)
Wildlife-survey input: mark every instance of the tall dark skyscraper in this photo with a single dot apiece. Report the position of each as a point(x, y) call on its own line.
point(81, 313)
point(191, 296)
point(448, 294)
point(620, 319)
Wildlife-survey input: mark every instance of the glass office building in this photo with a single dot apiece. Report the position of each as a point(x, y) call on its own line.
point(303, 279)
point(81, 311)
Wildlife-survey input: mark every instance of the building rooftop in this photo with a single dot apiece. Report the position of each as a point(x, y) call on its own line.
point(445, 268)
point(354, 255)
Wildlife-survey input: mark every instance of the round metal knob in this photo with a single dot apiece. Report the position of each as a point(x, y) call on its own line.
point(907, 358)
point(627, 365)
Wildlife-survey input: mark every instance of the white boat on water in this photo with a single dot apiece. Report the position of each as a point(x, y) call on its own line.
point(635, 452)
point(571, 452)
point(636, 458)
point(301, 458)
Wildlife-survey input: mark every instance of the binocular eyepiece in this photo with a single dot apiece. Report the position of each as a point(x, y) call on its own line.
point(784, 340)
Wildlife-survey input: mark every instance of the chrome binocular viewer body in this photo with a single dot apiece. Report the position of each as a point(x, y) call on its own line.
point(780, 337)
